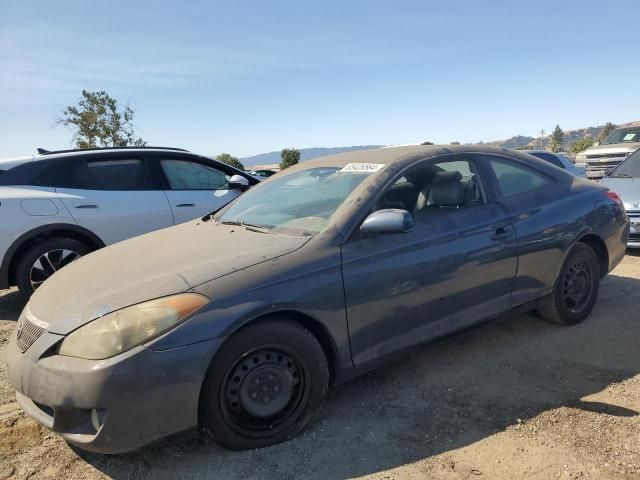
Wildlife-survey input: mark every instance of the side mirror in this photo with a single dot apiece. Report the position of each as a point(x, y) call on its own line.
point(238, 182)
point(390, 220)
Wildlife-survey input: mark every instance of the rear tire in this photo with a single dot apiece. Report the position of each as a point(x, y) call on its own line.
point(43, 259)
point(267, 382)
point(576, 288)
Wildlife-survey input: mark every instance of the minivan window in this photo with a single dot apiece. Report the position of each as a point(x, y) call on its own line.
point(41, 173)
point(117, 174)
point(185, 175)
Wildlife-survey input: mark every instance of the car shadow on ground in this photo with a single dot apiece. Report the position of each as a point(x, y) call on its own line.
point(441, 397)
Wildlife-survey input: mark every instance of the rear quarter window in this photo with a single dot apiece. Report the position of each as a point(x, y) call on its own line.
point(515, 179)
point(41, 173)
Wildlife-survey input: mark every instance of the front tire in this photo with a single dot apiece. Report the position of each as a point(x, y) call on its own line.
point(43, 259)
point(267, 382)
point(576, 288)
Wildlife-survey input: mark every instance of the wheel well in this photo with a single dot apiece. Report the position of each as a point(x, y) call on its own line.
point(598, 246)
point(317, 330)
point(55, 233)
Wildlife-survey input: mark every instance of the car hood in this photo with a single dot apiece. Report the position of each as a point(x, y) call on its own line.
point(161, 263)
point(613, 148)
point(627, 188)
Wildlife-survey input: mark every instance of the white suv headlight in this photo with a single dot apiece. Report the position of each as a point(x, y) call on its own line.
point(123, 329)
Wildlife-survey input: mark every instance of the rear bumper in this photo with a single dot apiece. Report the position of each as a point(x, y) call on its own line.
point(114, 405)
point(615, 233)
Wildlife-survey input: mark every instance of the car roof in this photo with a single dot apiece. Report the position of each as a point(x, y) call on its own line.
point(7, 163)
point(401, 156)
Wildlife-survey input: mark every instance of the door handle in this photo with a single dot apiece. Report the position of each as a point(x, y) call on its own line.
point(186, 205)
point(87, 205)
point(501, 233)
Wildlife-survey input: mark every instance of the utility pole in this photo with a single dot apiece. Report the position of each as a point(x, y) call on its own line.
point(542, 139)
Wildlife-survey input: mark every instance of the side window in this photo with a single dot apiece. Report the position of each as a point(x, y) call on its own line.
point(515, 179)
point(185, 175)
point(117, 174)
point(432, 189)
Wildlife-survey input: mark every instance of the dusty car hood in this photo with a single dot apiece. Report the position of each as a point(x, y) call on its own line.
point(627, 188)
point(161, 263)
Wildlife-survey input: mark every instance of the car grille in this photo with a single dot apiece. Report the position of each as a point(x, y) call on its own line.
point(611, 162)
point(634, 218)
point(617, 157)
point(28, 330)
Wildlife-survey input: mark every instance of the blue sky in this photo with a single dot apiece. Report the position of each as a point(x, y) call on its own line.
point(248, 77)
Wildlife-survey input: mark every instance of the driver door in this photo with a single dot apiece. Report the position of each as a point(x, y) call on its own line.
point(451, 271)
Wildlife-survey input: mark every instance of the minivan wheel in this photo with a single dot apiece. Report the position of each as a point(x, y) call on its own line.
point(576, 288)
point(267, 382)
point(44, 259)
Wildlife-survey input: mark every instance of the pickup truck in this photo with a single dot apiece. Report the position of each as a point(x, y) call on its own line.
point(603, 157)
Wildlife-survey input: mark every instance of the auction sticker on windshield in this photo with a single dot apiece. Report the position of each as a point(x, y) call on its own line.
point(363, 167)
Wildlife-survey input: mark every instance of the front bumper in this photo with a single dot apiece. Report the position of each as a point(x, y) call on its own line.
point(114, 405)
point(634, 231)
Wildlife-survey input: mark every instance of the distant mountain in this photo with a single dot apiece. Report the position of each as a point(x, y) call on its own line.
point(570, 136)
point(518, 141)
point(305, 154)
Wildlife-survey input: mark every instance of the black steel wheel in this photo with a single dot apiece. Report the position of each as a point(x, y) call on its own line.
point(267, 382)
point(577, 285)
point(576, 289)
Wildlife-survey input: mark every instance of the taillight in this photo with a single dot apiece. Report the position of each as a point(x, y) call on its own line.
point(613, 196)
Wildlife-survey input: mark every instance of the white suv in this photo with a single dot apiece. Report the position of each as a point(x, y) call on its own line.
point(58, 206)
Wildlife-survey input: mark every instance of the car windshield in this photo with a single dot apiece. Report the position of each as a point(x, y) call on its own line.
point(630, 168)
point(623, 135)
point(298, 204)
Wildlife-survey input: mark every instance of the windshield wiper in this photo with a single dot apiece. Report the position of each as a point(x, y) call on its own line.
point(249, 226)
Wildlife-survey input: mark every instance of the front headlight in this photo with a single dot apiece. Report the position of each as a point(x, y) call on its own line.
point(123, 329)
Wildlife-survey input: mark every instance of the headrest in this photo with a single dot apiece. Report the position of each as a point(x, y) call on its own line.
point(446, 176)
point(448, 193)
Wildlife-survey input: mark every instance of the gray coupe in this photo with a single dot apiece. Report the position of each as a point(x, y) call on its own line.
point(240, 321)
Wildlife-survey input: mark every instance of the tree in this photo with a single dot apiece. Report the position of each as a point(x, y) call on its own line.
point(455, 143)
point(96, 121)
point(426, 143)
point(289, 156)
point(580, 145)
point(606, 130)
point(230, 160)
point(556, 139)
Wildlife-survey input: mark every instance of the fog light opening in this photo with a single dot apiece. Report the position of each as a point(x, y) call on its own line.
point(96, 419)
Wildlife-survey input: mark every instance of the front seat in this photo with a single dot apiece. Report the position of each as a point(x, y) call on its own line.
point(445, 193)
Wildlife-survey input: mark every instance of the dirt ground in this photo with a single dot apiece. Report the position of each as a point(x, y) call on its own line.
point(513, 399)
